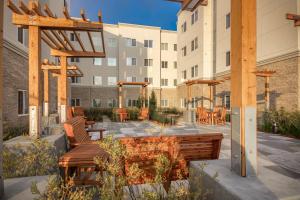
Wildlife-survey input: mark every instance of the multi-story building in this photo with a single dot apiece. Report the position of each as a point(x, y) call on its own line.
point(15, 69)
point(134, 53)
point(277, 49)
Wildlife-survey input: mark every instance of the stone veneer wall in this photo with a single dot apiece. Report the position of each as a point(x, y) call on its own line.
point(284, 85)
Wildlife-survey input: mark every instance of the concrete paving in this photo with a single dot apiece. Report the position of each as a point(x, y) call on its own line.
point(20, 188)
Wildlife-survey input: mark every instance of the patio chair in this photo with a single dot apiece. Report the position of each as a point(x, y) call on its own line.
point(77, 133)
point(221, 118)
point(122, 113)
point(144, 114)
point(204, 117)
point(79, 111)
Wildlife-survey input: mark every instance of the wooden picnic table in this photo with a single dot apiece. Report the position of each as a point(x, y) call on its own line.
point(79, 160)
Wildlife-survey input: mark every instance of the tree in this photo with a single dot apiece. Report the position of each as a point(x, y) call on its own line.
point(152, 105)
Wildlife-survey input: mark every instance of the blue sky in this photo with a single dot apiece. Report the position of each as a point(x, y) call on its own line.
point(146, 12)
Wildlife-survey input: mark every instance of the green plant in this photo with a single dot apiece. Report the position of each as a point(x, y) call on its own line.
point(170, 111)
point(57, 189)
point(40, 158)
point(287, 123)
point(152, 105)
point(161, 118)
point(12, 132)
point(96, 114)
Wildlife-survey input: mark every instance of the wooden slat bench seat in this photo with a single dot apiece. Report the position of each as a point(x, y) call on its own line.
point(79, 162)
point(76, 131)
point(144, 150)
point(78, 111)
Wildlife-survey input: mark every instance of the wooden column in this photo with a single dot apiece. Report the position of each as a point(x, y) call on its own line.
point(189, 96)
point(144, 96)
point(46, 93)
point(243, 87)
point(63, 89)
point(58, 95)
point(267, 92)
point(120, 96)
point(1, 95)
point(210, 97)
point(34, 81)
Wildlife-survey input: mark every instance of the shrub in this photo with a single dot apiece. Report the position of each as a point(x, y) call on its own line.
point(38, 159)
point(152, 105)
point(170, 111)
point(287, 123)
point(96, 114)
point(133, 114)
point(161, 118)
point(12, 132)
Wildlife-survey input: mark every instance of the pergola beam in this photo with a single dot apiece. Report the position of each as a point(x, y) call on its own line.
point(87, 54)
point(295, 18)
point(82, 13)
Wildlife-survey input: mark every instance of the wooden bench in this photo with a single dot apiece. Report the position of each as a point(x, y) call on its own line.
point(79, 163)
point(143, 151)
point(76, 131)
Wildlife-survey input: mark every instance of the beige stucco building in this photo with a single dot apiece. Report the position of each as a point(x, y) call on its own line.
point(277, 49)
point(134, 53)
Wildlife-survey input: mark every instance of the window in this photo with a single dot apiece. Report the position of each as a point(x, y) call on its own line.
point(131, 61)
point(75, 59)
point(130, 42)
point(75, 102)
point(183, 27)
point(164, 46)
point(148, 62)
point(131, 103)
point(22, 102)
point(183, 75)
point(97, 80)
point(182, 103)
point(111, 80)
point(148, 80)
point(227, 101)
point(73, 37)
point(194, 103)
point(164, 103)
point(112, 42)
point(131, 79)
point(175, 65)
point(164, 64)
point(96, 103)
point(112, 103)
point(175, 47)
point(194, 71)
point(175, 82)
point(164, 82)
point(194, 17)
point(227, 58)
point(194, 44)
point(20, 35)
point(148, 43)
point(97, 61)
point(111, 61)
point(183, 51)
point(75, 80)
point(228, 21)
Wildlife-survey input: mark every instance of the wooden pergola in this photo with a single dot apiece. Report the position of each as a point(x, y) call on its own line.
point(209, 82)
point(266, 74)
point(45, 26)
point(295, 18)
point(243, 86)
point(143, 92)
point(47, 67)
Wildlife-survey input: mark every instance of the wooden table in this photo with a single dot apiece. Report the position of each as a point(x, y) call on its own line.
point(80, 162)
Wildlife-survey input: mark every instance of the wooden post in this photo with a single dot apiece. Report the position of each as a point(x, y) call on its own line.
point(1, 95)
point(120, 96)
point(267, 92)
point(143, 96)
point(34, 81)
point(46, 92)
point(243, 87)
point(210, 97)
point(63, 89)
point(58, 96)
